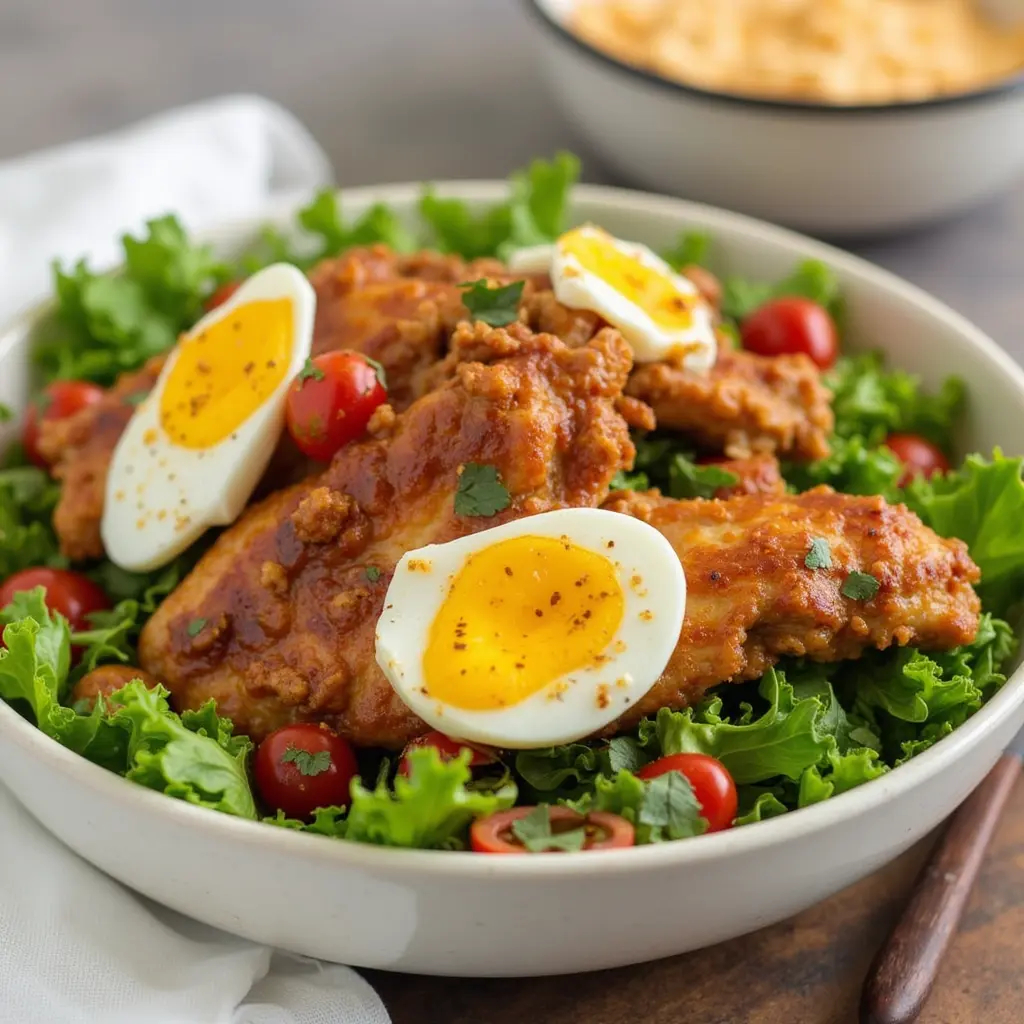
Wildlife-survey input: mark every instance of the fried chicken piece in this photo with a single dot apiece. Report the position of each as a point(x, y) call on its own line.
point(746, 404)
point(397, 309)
point(758, 474)
point(750, 599)
point(290, 595)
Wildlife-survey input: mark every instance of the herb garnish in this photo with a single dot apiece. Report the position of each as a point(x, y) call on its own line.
point(372, 573)
point(382, 377)
point(497, 306)
point(860, 586)
point(534, 832)
point(306, 761)
point(196, 626)
point(310, 371)
point(480, 492)
point(820, 554)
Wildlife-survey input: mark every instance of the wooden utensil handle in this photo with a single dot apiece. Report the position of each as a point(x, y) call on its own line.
point(904, 970)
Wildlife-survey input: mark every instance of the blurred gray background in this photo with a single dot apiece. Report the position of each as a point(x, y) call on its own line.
point(394, 90)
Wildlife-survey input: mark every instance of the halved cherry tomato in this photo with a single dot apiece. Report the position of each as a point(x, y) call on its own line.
point(331, 401)
point(448, 749)
point(59, 400)
point(302, 767)
point(604, 831)
point(789, 325)
point(712, 784)
point(73, 595)
point(221, 295)
point(921, 457)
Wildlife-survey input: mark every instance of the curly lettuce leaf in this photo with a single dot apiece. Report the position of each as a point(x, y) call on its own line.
point(194, 758)
point(982, 503)
point(852, 467)
point(430, 809)
point(810, 279)
point(691, 249)
point(27, 499)
point(870, 402)
point(105, 324)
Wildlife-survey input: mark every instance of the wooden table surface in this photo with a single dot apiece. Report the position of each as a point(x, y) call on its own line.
point(409, 89)
point(807, 970)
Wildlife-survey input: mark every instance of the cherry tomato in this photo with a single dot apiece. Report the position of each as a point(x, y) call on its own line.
point(73, 595)
point(712, 785)
point(221, 295)
point(448, 748)
point(60, 399)
point(920, 457)
point(604, 831)
point(331, 401)
point(789, 325)
point(302, 767)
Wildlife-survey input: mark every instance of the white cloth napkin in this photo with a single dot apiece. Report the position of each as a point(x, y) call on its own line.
point(75, 946)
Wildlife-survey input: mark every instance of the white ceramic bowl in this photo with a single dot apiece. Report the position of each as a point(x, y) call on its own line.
point(834, 171)
point(466, 914)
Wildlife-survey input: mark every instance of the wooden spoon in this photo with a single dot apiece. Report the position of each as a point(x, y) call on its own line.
point(904, 970)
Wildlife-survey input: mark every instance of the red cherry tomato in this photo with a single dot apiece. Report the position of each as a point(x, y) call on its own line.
point(59, 400)
point(920, 457)
point(790, 325)
point(712, 784)
point(604, 831)
point(448, 749)
point(302, 767)
point(221, 295)
point(331, 401)
point(69, 593)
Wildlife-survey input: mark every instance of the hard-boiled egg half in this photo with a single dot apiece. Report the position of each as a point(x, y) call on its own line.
point(536, 632)
point(198, 443)
point(659, 312)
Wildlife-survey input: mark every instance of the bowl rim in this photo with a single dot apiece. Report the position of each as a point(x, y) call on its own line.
point(382, 860)
point(1004, 88)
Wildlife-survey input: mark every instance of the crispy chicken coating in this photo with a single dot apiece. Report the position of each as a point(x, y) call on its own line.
point(751, 599)
point(290, 595)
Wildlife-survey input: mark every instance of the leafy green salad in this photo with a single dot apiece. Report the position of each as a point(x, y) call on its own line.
point(803, 733)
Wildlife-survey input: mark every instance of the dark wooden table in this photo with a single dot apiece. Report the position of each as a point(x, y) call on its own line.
point(807, 970)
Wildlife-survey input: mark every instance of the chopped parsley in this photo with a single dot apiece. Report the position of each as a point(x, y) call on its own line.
point(310, 371)
point(196, 626)
point(534, 832)
point(860, 586)
point(497, 306)
point(372, 573)
point(306, 761)
point(820, 554)
point(382, 377)
point(481, 492)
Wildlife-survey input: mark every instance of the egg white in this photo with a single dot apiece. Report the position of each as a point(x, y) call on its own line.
point(581, 289)
point(161, 497)
point(652, 618)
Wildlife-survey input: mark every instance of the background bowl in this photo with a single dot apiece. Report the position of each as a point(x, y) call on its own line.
point(465, 914)
point(839, 171)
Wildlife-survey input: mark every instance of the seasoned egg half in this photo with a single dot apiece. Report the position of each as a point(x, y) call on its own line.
point(536, 632)
point(659, 312)
point(199, 442)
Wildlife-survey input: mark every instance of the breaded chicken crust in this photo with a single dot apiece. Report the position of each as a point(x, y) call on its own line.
point(746, 404)
point(751, 599)
point(289, 606)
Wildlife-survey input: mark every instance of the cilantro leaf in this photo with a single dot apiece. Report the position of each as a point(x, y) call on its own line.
point(480, 491)
point(534, 832)
point(623, 481)
point(663, 462)
point(496, 306)
point(310, 371)
point(859, 586)
point(820, 554)
point(308, 762)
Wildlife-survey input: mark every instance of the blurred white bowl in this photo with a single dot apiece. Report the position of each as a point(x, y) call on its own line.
point(839, 171)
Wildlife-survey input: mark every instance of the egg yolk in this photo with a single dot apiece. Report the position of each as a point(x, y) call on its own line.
point(226, 371)
point(651, 290)
point(520, 615)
